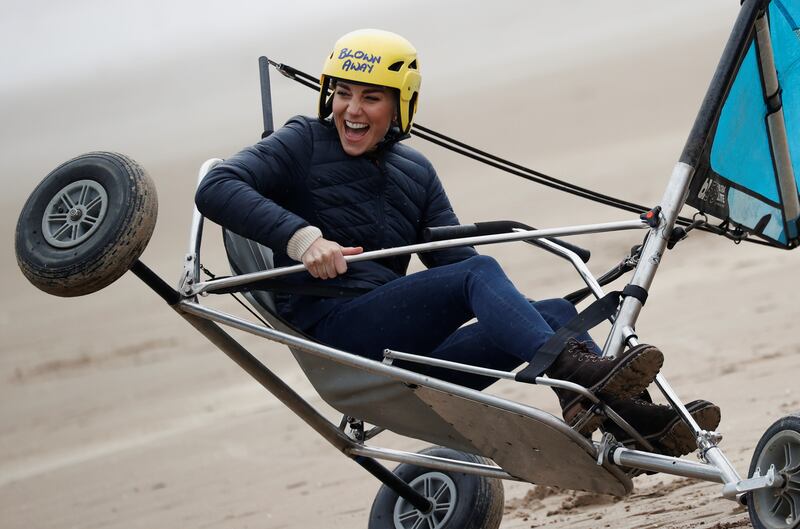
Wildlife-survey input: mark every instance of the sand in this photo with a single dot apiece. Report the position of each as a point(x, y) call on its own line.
point(115, 413)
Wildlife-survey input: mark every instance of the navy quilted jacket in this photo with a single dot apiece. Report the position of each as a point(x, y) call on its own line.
point(300, 176)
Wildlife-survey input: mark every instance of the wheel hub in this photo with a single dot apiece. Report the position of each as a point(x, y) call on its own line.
point(74, 213)
point(440, 490)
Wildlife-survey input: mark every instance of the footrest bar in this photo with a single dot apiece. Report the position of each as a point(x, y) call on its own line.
point(669, 465)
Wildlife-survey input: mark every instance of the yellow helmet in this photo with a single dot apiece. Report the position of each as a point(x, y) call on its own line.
point(376, 57)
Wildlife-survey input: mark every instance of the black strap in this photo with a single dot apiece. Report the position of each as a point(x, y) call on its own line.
point(612, 275)
point(600, 310)
point(635, 291)
point(589, 317)
point(302, 289)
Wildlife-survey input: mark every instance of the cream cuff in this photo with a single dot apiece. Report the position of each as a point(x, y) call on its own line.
point(301, 240)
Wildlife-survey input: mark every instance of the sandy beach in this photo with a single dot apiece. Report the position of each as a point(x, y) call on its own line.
point(116, 414)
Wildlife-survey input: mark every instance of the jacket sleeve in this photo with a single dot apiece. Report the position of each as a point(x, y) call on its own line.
point(439, 212)
point(247, 193)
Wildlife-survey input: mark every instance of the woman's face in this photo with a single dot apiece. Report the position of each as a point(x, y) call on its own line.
point(362, 114)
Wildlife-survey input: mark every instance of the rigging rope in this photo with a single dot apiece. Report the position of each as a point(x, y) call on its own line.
point(525, 172)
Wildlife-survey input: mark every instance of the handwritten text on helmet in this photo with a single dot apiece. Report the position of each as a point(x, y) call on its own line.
point(364, 62)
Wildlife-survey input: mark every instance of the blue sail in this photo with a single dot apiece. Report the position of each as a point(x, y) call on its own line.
point(751, 169)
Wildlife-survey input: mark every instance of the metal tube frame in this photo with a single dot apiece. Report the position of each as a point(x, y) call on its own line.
point(717, 467)
point(190, 287)
point(434, 462)
point(206, 321)
point(239, 280)
point(191, 265)
point(389, 355)
point(300, 406)
point(669, 465)
point(576, 261)
point(493, 373)
point(673, 200)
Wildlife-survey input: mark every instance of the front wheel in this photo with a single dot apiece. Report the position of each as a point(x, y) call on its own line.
point(779, 447)
point(460, 501)
point(86, 224)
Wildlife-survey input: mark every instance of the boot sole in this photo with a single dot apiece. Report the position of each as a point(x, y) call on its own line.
point(627, 380)
point(678, 440)
point(632, 377)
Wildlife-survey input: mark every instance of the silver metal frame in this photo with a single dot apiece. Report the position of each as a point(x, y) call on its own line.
point(715, 468)
point(220, 284)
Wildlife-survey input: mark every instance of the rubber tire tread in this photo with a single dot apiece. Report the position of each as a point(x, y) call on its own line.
point(109, 252)
point(788, 422)
point(480, 500)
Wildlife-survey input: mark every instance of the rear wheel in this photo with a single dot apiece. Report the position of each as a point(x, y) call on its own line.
point(779, 447)
point(86, 224)
point(463, 501)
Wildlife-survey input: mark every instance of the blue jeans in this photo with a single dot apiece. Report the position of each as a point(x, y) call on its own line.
point(424, 313)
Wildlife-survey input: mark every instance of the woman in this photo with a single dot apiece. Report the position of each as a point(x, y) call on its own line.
point(318, 190)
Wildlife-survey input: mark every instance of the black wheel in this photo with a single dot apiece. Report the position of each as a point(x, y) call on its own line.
point(779, 447)
point(461, 501)
point(86, 224)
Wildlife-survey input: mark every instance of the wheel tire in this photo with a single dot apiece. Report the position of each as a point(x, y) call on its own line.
point(478, 500)
point(86, 224)
point(779, 446)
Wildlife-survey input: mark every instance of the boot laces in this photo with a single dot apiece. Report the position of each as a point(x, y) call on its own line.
point(582, 351)
point(651, 405)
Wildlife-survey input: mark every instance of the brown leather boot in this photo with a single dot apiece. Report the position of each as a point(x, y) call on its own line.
point(621, 377)
point(661, 426)
point(574, 412)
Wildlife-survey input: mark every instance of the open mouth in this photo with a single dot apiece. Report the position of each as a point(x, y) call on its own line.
point(355, 130)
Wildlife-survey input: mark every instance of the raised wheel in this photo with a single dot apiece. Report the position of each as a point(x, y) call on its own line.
point(462, 501)
point(779, 447)
point(86, 224)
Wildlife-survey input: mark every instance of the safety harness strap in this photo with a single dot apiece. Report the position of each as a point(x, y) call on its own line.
point(600, 310)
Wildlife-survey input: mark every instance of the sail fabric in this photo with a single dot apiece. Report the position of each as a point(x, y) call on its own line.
point(738, 179)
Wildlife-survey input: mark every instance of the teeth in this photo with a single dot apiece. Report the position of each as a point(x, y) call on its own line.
point(353, 125)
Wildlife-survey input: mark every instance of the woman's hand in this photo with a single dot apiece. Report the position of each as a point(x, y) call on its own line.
point(324, 259)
